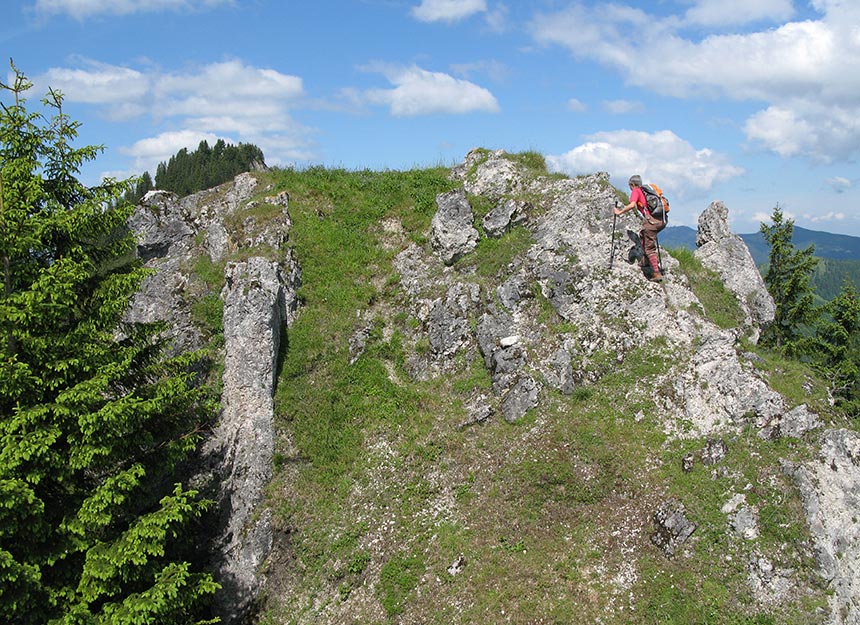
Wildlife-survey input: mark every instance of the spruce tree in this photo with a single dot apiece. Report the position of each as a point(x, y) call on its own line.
point(788, 282)
point(94, 419)
point(835, 347)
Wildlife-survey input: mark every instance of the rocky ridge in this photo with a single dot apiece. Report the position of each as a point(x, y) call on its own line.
point(712, 391)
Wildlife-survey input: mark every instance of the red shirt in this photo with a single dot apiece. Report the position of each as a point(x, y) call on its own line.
point(638, 195)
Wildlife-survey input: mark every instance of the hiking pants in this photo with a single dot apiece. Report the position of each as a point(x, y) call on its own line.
point(650, 229)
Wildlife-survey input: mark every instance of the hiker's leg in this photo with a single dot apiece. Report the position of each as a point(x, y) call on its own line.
point(643, 260)
point(649, 242)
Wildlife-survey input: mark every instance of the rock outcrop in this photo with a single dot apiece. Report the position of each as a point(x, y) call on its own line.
point(727, 254)
point(712, 390)
point(830, 489)
point(259, 302)
point(610, 311)
point(451, 231)
point(560, 276)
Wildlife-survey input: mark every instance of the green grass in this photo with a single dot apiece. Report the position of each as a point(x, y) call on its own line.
point(380, 488)
point(398, 578)
point(492, 255)
point(720, 304)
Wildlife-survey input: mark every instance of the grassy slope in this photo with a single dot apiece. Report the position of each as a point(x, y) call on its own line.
point(378, 490)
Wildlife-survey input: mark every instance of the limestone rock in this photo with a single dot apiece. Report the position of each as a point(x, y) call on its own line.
point(521, 397)
point(505, 215)
point(489, 173)
point(715, 451)
point(770, 585)
point(256, 311)
point(451, 230)
point(728, 255)
point(830, 490)
point(259, 303)
point(672, 527)
point(448, 324)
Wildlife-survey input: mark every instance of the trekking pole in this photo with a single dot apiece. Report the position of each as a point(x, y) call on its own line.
point(612, 240)
point(659, 255)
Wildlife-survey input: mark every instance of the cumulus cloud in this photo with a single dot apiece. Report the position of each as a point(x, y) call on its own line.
point(821, 130)
point(806, 72)
point(228, 100)
point(82, 9)
point(447, 10)
point(420, 92)
point(662, 157)
point(120, 88)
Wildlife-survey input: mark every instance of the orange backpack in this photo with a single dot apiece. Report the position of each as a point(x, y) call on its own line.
point(658, 205)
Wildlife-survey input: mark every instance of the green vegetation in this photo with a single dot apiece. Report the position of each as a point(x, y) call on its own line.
point(550, 516)
point(206, 167)
point(827, 337)
point(719, 303)
point(94, 420)
point(492, 255)
point(388, 508)
point(788, 282)
point(831, 275)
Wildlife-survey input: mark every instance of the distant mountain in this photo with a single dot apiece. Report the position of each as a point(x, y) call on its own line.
point(827, 245)
point(679, 236)
point(840, 254)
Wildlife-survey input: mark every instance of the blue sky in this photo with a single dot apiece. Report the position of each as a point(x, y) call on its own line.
point(752, 102)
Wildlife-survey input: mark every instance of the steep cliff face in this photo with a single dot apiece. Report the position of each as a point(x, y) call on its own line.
point(524, 289)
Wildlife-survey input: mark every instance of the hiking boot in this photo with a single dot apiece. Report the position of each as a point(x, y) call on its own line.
point(656, 277)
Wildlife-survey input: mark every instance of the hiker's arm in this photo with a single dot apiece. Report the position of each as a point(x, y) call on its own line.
point(623, 209)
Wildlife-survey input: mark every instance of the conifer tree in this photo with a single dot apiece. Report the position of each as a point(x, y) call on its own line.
point(788, 282)
point(94, 419)
point(835, 347)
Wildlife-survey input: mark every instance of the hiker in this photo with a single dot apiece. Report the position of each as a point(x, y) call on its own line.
point(650, 227)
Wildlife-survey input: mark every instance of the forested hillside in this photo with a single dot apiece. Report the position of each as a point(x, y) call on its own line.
point(838, 254)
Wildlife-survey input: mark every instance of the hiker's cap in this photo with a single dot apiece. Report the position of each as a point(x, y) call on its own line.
point(635, 180)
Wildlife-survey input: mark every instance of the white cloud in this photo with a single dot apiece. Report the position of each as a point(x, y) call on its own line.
point(839, 184)
point(98, 83)
point(82, 9)
point(824, 217)
point(148, 153)
point(732, 12)
point(447, 10)
point(804, 71)
point(420, 92)
point(497, 20)
point(232, 79)
point(661, 157)
point(229, 100)
point(621, 107)
point(820, 130)
point(576, 106)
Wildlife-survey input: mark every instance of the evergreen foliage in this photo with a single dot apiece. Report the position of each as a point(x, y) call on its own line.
point(788, 281)
point(206, 167)
point(835, 347)
point(827, 337)
point(94, 419)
